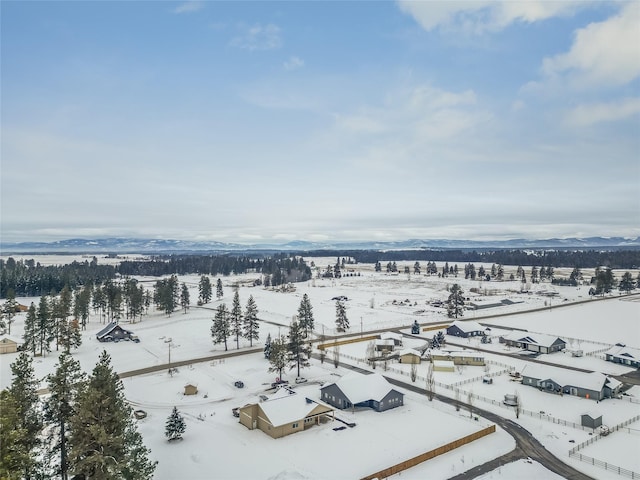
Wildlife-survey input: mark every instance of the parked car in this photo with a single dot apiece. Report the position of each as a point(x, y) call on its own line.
point(239, 384)
point(235, 411)
point(278, 383)
point(300, 380)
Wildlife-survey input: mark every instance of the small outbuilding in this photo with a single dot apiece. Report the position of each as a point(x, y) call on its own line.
point(409, 355)
point(591, 420)
point(443, 366)
point(190, 389)
point(9, 344)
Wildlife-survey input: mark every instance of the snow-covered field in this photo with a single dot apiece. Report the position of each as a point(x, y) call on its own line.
point(216, 442)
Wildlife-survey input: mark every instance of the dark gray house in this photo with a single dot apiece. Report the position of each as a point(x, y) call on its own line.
point(535, 342)
point(357, 390)
point(114, 333)
point(624, 355)
point(465, 329)
point(594, 385)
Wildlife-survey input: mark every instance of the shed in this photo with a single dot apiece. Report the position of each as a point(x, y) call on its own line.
point(9, 344)
point(591, 420)
point(443, 366)
point(409, 355)
point(190, 389)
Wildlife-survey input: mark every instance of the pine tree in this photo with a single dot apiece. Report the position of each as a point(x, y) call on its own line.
point(23, 390)
point(204, 290)
point(455, 302)
point(175, 426)
point(184, 297)
point(8, 309)
point(626, 282)
point(236, 318)
point(342, 322)
point(104, 441)
point(60, 406)
point(69, 334)
point(219, 292)
point(15, 456)
point(267, 346)
point(220, 329)
point(44, 326)
point(251, 325)
point(278, 355)
point(30, 335)
point(305, 315)
point(299, 351)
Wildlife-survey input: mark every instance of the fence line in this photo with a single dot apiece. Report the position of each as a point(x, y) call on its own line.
point(607, 466)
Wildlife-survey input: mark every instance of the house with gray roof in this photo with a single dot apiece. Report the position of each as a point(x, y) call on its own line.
point(534, 342)
point(358, 390)
point(465, 329)
point(594, 385)
point(624, 355)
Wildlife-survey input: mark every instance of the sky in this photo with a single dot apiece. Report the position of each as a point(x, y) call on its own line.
point(277, 121)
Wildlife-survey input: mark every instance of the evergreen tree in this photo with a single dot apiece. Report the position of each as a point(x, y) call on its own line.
point(534, 274)
point(251, 325)
point(220, 330)
point(278, 355)
point(23, 390)
point(499, 272)
point(30, 335)
point(342, 322)
point(184, 297)
point(82, 300)
point(103, 438)
point(219, 292)
point(481, 272)
point(69, 334)
point(416, 268)
point(455, 302)
point(378, 267)
point(60, 406)
point(8, 309)
point(267, 346)
point(626, 282)
point(15, 456)
point(204, 290)
point(175, 426)
point(299, 351)
point(305, 315)
point(44, 326)
point(575, 275)
point(236, 318)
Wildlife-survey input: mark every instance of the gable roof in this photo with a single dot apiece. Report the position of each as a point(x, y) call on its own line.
point(110, 328)
point(595, 381)
point(620, 351)
point(10, 339)
point(409, 351)
point(286, 406)
point(360, 388)
point(467, 326)
point(540, 339)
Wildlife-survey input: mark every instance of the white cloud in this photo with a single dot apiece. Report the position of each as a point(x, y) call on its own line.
point(603, 53)
point(293, 63)
point(188, 7)
point(590, 114)
point(258, 37)
point(480, 16)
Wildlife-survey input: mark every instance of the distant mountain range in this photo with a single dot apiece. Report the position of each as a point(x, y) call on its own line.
point(141, 245)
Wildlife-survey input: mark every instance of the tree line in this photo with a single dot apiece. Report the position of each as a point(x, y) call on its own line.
point(29, 278)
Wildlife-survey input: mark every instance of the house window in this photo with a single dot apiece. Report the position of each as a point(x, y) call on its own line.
point(295, 425)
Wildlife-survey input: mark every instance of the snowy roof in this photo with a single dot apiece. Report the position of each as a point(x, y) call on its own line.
point(541, 339)
point(286, 406)
point(409, 351)
point(619, 351)
point(388, 342)
point(360, 388)
point(110, 328)
point(468, 326)
point(459, 353)
point(563, 377)
point(443, 363)
point(390, 336)
point(10, 338)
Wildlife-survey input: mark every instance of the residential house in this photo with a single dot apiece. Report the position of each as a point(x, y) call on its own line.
point(535, 342)
point(384, 345)
point(396, 338)
point(358, 390)
point(594, 385)
point(114, 333)
point(284, 413)
point(624, 355)
point(465, 329)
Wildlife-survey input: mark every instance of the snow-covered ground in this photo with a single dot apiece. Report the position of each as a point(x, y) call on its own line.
point(216, 442)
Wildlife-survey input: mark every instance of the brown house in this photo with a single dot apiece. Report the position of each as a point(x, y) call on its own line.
point(460, 358)
point(9, 344)
point(409, 355)
point(286, 412)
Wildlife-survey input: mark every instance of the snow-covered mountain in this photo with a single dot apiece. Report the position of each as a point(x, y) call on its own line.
point(142, 245)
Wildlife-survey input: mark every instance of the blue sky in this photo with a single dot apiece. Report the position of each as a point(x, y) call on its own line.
point(267, 121)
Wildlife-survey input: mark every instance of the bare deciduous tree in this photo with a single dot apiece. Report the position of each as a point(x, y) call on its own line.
point(431, 383)
point(414, 372)
point(336, 356)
